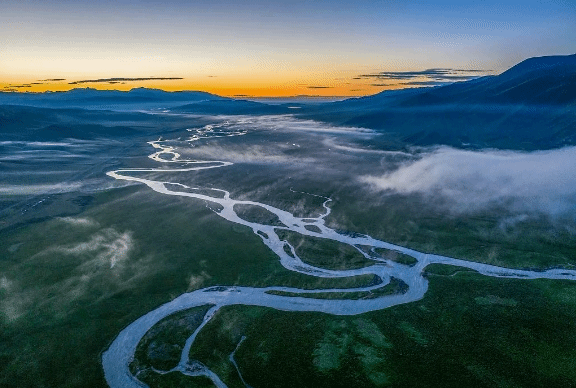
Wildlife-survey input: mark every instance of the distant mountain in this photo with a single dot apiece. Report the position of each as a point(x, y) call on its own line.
point(27, 123)
point(536, 81)
point(530, 106)
point(142, 98)
point(87, 97)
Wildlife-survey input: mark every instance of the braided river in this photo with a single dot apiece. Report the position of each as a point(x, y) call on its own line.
point(117, 358)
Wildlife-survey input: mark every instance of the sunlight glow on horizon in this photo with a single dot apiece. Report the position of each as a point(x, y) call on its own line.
point(269, 48)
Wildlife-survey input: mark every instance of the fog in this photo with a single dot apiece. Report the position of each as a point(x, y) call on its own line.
point(469, 181)
point(282, 122)
point(100, 260)
point(269, 153)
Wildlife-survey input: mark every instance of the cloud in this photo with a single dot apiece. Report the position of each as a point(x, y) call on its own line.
point(429, 75)
point(108, 246)
point(40, 189)
point(12, 305)
point(52, 79)
point(98, 264)
point(84, 222)
point(279, 153)
point(331, 143)
point(5, 284)
point(197, 281)
point(319, 87)
point(19, 86)
point(424, 83)
point(469, 181)
point(109, 80)
point(285, 122)
point(86, 185)
point(245, 154)
point(289, 123)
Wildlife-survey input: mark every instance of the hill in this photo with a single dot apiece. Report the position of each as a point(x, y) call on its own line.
point(530, 106)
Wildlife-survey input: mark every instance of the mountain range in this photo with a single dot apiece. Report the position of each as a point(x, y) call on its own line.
point(530, 106)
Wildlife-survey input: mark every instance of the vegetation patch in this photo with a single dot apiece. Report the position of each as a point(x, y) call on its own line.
point(309, 282)
point(324, 253)
point(396, 286)
point(445, 270)
point(396, 256)
point(361, 340)
point(313, 228)
point(174, 380)
point(495, 300)
point(257, 214)
point(220, 337)
point(413, 333)
point(288, 250)
point(162, 345)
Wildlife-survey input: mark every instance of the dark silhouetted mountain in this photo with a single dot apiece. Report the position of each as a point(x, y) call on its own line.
point(27, 123)
point(530, 106)
point(141, 98)
point(87, 98)
point(15, 119)
point(535, 81)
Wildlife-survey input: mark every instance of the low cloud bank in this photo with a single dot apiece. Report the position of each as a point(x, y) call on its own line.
point(287, 123)
point(270, 151)
point(241, 154)
point(469, 181)
point(40, 189)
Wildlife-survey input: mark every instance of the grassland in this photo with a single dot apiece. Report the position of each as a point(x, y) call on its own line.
point(78, 267)
point(468, 329)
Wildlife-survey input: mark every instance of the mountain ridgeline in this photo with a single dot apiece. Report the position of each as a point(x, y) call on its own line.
point(530, 106)
point(535, 81)
point(93, 98)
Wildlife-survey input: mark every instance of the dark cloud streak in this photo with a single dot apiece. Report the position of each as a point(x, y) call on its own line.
point(424, 83)
point(425, 77)
point(19, 86)
point(119, 79)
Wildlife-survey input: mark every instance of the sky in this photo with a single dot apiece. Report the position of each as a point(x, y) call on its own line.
point(272, 48)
